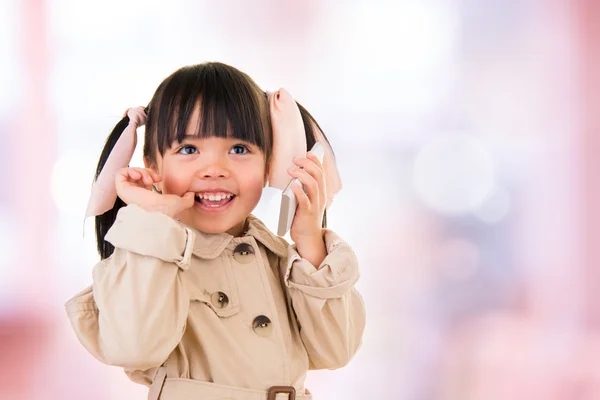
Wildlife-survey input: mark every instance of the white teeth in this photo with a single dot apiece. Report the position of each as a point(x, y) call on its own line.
point(214, 197)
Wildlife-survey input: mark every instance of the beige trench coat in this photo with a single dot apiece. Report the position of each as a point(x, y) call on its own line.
point(201, 316)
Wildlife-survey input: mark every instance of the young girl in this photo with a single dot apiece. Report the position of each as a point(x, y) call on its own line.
point(194, 296)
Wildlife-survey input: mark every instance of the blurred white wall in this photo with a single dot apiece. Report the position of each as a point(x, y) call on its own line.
point(464, 132)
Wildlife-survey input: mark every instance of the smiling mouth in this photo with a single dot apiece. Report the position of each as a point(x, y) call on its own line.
point(214, 200)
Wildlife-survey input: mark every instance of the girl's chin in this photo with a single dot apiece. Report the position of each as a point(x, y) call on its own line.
point(234, 228)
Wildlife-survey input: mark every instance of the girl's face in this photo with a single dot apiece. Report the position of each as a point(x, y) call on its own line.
point(226, 174)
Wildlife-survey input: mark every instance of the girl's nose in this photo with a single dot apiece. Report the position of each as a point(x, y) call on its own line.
point(214, 174)
point(214, 170)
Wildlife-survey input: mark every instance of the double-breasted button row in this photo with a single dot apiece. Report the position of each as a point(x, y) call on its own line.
point(262, 324)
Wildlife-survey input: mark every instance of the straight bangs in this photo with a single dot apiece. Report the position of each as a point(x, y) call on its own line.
point(231, 106)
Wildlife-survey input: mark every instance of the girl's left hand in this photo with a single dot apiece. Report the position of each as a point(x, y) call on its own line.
point(306, 230)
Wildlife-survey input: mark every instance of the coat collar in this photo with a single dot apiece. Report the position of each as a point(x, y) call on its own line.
point(209, 246)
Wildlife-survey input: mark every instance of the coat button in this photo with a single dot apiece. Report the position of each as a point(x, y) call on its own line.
point(262, 326)
point(219, 300)
point(243, 253)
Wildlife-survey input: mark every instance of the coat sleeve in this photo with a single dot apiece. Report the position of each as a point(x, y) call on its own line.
point(329, 309)
point(135, 312)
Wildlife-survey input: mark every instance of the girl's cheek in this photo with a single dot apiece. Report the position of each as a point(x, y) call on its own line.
point(174, 185)
point(254, 186)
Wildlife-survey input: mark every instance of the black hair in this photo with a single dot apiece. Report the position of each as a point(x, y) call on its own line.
point(231, 105)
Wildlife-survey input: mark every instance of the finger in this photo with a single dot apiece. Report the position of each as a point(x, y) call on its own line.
point(146, 177)
point(155, 175)
point(310, 162)
point(314, 159)
point(321, 178)
point(182, 203)
point(301, 197)
point(309, 182)
point(188, 200)
point(122, 175)
point(314, 168)
point(133, 174)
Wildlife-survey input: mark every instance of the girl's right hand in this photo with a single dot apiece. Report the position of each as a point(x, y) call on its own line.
point(134, 186)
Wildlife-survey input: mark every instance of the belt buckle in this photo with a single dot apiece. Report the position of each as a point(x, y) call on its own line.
point(275, 390)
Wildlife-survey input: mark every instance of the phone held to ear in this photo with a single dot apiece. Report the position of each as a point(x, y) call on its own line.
point(288, 199)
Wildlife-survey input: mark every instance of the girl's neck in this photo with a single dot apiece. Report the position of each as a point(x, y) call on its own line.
point(239, 229)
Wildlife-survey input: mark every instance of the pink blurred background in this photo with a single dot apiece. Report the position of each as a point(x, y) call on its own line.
point(466, 134)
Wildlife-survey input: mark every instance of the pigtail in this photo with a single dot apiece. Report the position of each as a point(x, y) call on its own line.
point(310, 124)
point(106, 220)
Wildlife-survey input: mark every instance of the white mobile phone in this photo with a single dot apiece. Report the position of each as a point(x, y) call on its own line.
point(288, 199)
